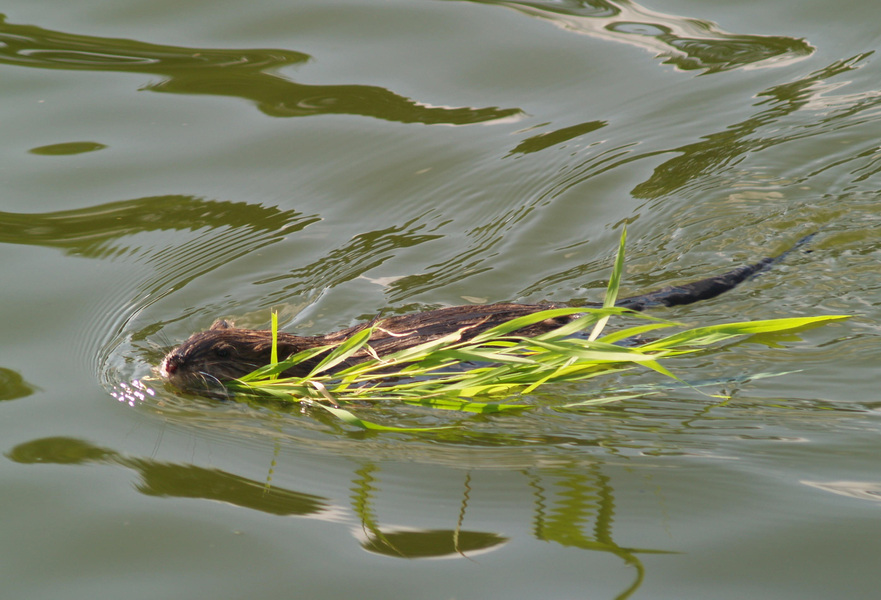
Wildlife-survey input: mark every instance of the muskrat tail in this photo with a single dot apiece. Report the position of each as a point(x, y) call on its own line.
point(705, 289)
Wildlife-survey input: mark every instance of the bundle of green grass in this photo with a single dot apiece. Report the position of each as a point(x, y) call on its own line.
point(483, 373)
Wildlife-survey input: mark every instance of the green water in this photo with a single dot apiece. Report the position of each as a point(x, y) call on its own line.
point(165, 164)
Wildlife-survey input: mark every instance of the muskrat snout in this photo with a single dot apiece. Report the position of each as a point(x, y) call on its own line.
point(221, 353)
point(171, 363)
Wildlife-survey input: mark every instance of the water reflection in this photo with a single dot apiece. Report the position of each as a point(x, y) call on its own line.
point(169, 480)
point(572, 505)
point(859, 490)
point(715, 151)
point(67, 148)
point(97, 231)
point(204, 235)
point(355, 257)
point(549, 139)
point(400, 542)
point(246, 74)
point(13, 385)
point(688, 44)
point(810, 107)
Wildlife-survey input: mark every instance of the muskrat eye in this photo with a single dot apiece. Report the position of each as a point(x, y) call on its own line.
point(222, 351)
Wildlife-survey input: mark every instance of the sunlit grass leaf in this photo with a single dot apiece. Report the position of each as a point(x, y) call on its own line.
point(274, 351)
point(606, 400)
point(461, 405)
point(350, 419)
point(612, 288)
point(422, 351)
point(632, 332)
point(478, 355)
point(267, 371)
point(343, 352)
point(703, 336)
point(525, 321)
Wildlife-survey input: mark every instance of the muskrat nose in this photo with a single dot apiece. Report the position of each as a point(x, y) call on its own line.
point(171, 363)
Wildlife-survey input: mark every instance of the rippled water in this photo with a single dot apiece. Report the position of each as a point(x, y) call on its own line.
point(164, 166)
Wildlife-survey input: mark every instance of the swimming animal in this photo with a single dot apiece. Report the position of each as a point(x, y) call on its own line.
point(224, 352)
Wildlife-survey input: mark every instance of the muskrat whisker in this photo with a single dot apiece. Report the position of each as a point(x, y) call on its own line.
point(214, 385)
point(208, 376)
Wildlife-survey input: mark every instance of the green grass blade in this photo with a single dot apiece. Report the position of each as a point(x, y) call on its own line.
point(605, 400)
point(586, 318)
point(702, 336)
point(617, 272)
point(267, 371)
point(632, 332)
point(350, 419)
point(422, 351)
point(612, 288)
point(274, 351)
point(343, 351)
point(470, 354)
point(525, 321)
point(473, 407)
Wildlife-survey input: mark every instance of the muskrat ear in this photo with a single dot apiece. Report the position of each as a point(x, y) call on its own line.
point(220, 324)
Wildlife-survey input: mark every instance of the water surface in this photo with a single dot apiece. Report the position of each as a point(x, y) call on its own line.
point(164, 166)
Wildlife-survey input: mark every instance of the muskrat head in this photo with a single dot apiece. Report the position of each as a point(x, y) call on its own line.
point(222, 353)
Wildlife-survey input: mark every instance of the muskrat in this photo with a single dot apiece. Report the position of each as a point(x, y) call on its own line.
point(224, 352)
